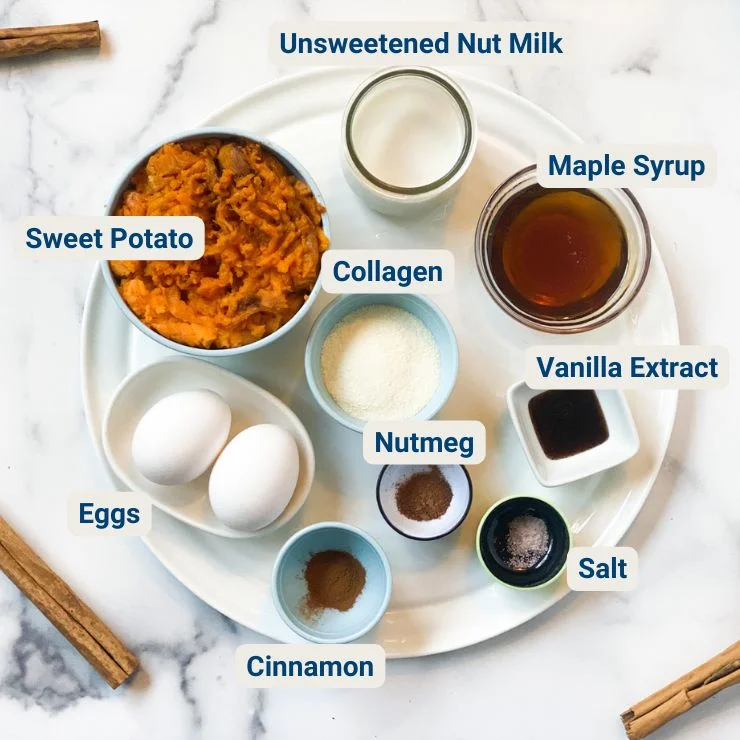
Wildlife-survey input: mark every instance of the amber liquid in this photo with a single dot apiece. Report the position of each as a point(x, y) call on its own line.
point(558, 253)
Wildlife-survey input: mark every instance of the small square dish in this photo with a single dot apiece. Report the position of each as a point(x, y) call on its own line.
point(618, 443)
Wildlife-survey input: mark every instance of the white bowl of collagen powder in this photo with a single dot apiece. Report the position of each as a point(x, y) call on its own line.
point(409, 135)
point(381, 358)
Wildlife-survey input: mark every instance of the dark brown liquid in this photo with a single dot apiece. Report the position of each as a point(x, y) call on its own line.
point(568, 422)
point(557, 253)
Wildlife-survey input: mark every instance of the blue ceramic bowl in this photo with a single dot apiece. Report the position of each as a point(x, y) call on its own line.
point(292, 166)
point(289, 586)
point(420, 307)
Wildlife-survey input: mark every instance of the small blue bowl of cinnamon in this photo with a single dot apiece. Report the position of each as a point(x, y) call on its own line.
point(331, 583)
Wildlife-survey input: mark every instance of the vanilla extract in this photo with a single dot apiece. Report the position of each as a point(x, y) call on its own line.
point(568, 422)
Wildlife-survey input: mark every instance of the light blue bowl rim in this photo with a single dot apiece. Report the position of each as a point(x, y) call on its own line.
point(289, 544)
point(326, 315)
point(291, 163)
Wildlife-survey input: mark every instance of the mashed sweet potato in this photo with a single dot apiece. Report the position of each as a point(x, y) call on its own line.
point(263, 243)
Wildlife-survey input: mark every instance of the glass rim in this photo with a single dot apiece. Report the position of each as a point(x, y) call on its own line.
point(460, 100)
point(617, 302)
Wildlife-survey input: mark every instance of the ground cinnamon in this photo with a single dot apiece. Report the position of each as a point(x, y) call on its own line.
point(334, 579)
point(424, 496)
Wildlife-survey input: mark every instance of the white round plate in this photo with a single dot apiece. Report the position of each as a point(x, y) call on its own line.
point(442, 598)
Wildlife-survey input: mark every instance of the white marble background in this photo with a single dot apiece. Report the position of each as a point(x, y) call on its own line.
point(664, 71)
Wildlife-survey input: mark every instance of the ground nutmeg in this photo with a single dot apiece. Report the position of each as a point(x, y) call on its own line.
point(424, 496)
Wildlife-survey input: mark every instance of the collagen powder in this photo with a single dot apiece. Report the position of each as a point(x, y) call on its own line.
point(380, 363)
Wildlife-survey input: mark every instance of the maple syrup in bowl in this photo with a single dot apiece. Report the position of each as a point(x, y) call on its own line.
point(561, 260)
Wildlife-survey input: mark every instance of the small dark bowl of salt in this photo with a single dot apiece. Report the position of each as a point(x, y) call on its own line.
point(523, 542)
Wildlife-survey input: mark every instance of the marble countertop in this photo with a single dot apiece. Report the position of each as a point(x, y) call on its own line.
point(667, 71)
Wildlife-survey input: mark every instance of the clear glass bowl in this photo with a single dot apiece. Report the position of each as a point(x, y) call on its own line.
point(637, 233)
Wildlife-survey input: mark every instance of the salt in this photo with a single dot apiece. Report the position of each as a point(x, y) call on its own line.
point(380, 363)
point(527, 542)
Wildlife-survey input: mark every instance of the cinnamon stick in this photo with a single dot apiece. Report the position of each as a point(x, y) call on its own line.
point(63, 608)
point(15, 42)
point(684, 693)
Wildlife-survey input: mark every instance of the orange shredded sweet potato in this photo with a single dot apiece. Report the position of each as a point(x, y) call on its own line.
point(263, 243)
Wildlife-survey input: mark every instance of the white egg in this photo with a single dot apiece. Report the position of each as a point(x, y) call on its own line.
point(254, 477)
point(180, 436)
